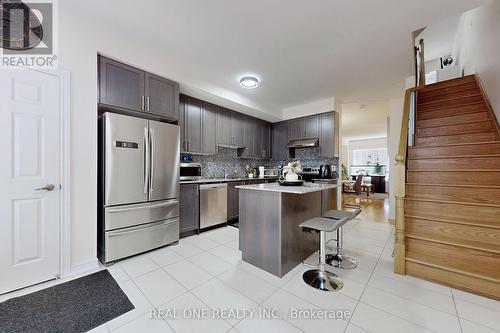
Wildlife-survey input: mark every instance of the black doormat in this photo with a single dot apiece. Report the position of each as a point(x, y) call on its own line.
point(74, 306)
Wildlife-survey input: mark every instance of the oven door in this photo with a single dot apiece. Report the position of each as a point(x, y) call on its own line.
point(190, 171)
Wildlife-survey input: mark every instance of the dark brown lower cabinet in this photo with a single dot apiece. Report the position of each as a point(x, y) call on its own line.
point(189, 210)
point(233, 200)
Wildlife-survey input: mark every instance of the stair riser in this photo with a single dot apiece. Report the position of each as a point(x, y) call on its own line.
point(459, 178)
point(453, 211)
point(454, 257)
point(454, 111)
point(452, 163)
point(442, 95)
point(479, 149)
point(452, 139)
point(449, 83)
point(477, 236)
point(482, 126)
point(450, 193)
point(454, 279)
point(479, 116)
point(448, 103)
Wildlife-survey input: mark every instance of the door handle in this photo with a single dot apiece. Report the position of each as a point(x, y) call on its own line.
point(48, 188)
point(142, 103)
point(146, 160)
point(152, 138)
point(147, 103)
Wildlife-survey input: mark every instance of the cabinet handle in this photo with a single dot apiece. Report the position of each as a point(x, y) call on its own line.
point(147, 103)
point(142, 103)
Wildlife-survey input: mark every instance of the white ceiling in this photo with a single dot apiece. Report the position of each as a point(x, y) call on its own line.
point(365, 120)
point(303, 51)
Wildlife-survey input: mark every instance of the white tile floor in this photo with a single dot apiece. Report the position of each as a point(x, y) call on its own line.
point(206, 273)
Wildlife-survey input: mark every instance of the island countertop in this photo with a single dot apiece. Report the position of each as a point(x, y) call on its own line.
point(275, 187)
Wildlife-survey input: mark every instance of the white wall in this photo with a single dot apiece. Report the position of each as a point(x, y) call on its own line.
point(477, 48)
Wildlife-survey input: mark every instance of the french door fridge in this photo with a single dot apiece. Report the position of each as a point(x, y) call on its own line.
point(139, 182)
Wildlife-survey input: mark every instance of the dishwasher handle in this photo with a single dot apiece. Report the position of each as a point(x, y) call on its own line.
point(211, 186)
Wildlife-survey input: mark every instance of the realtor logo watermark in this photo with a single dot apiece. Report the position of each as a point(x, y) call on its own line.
point(27, 34)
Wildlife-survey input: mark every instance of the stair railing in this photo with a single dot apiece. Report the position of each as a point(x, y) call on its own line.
point(406, 139)
point(421, 64)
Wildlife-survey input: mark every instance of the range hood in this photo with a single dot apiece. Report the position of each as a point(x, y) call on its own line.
point(230, 146)
point(304, 143)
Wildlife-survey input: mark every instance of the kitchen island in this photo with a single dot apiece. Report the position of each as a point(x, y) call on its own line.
point(269, 218)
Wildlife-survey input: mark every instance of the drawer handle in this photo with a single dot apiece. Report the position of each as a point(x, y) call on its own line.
point(165, 204)
point(151, 228)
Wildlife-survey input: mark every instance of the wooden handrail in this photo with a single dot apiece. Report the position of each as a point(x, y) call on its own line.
point(399, 188)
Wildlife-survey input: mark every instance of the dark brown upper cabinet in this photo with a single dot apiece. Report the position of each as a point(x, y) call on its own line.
point(162, 96)
point(296, 129)
point(329, 147)
point(197, 120)
point(121, 85)
point(127, 87)
point(303, 128)
point(208, 128)
point(231, 128)
point(280, 140)
point(192, 125)
point(311, 127)
point(224, 132)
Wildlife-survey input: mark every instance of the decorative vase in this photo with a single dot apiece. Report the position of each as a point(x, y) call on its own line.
point(291, 176)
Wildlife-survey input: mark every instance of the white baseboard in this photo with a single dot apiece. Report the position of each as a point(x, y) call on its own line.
point(85, 267)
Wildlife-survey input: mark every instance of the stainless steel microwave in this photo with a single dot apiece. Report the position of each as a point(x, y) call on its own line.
point(190, 171)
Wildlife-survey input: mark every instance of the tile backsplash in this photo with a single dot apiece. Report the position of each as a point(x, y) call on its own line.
point(226, 161)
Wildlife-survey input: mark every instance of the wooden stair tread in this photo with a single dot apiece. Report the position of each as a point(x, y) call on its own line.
point(493, 226)
point(456, 144)
point(453, 202)
point(456, 124)
point(460, 243)
point(453, 278)
point(453, 257)
point(461, 272)
point(431, 141)
point(453, 120)
point(450, 107)
point(452, 157)
point(450, 99)
point(449, 83)
point(455, 129)
point(454, 185)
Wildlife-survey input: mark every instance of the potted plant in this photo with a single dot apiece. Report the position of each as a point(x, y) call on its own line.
point(290, 171)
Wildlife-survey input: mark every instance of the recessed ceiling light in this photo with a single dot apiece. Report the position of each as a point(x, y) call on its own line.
point(249, 82)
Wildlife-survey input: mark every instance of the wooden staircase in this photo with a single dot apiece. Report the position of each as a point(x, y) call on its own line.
point(452, 194)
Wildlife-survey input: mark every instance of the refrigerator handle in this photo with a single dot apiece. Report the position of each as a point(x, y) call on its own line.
point(152, 139)
point(146, 160)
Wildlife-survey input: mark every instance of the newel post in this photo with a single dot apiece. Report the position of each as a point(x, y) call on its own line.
point(399, 244)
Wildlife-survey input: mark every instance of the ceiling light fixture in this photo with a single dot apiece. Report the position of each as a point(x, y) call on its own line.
point(249, 82)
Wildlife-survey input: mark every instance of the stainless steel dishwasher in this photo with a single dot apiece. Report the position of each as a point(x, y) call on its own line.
point(213, 204)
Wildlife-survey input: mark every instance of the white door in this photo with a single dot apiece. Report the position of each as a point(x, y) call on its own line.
point(29, 178)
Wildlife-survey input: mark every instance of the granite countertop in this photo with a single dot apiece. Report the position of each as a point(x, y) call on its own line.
point(275, 187)
point(224, 180)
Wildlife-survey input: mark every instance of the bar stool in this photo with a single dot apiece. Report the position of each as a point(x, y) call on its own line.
point(338, 259)
point(320, 278)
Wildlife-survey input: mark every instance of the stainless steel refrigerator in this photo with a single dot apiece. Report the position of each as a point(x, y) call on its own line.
point(139, 185)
